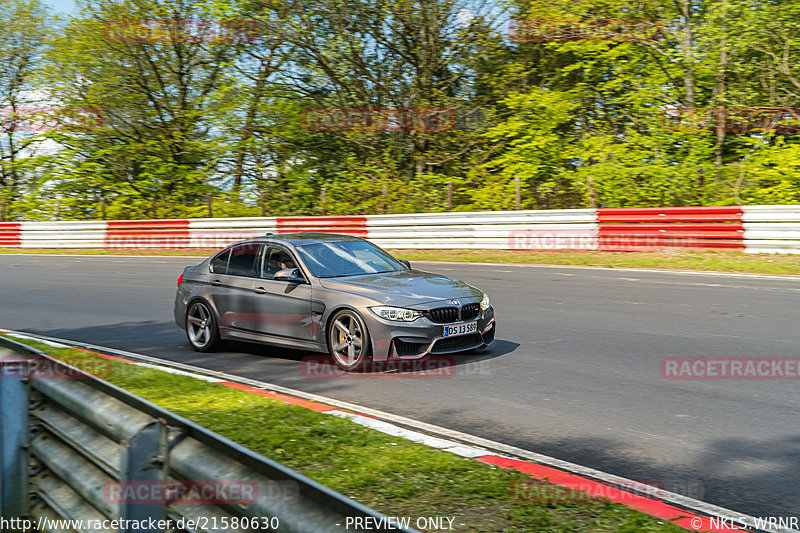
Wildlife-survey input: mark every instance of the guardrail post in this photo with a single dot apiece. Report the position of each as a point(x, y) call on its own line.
point(13, 437)
point(449, 195)
point(144, 466)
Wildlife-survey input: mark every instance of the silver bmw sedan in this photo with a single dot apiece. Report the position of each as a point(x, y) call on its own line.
point(329, 293)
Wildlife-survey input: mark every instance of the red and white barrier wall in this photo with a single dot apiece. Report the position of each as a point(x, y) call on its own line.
point(754, 229)
point(672, 227)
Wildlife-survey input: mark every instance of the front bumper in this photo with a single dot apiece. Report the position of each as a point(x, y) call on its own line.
point(418, 339)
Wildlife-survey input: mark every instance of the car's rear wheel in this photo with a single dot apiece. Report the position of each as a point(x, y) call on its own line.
point(201, 328)
point(348, 341)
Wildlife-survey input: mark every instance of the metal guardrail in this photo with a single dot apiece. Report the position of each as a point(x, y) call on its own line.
point(68, 440)
point(654, 228)
point(772, 229)
point(756, 229)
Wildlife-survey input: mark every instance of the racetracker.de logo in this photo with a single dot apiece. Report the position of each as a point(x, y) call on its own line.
point(44, 368)
point(379, 119)
point(537, 239)
point(538, 491)
point(555, 30)
point(439, 367)
point(37, 119)
point(732, 120)
point(730, 368)
point(181, 492)
point(209, 31)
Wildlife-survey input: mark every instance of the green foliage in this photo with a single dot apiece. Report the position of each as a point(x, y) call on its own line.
point(772, 175)
point(576, 122)
point(22, 40)
point(537, 148)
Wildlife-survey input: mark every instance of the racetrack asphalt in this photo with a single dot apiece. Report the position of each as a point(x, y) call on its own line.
point(574, 372)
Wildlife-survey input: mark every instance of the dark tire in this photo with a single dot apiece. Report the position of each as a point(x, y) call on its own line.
point(348, 341)
point(201, 327)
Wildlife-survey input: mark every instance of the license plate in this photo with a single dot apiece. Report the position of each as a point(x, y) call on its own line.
point(460, 329)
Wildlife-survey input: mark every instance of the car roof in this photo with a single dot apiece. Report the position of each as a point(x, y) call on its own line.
point(298, 239)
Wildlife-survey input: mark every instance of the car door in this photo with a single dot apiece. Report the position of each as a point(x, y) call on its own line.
point(282, 308)
point(231, 286)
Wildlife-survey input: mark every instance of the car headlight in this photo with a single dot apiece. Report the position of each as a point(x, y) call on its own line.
point(396, 313)
point(485, 302)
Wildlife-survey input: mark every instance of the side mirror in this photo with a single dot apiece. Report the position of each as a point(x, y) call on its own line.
point(405, 263)
point(292, 275)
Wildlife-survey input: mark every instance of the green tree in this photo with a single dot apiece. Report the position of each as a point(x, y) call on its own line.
point(393, 55)
point(22, 109)
point(162, 89)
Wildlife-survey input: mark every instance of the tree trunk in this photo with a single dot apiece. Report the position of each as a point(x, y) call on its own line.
point(249, 124)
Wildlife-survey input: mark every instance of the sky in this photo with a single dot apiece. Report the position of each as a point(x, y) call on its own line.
point(63, 6)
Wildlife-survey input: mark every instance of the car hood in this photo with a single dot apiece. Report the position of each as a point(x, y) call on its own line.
point(403, 288)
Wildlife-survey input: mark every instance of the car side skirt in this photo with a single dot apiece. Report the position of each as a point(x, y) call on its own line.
point(271, 340)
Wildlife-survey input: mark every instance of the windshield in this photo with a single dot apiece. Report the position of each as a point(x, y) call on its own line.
point(347, 258)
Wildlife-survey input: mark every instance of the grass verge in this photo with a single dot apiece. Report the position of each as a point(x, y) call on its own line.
point(702, 260)
point(390, 474)
point(705, 260)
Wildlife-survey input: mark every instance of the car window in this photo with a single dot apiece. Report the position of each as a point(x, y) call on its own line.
point(219, 264)
point(276, 259)
point(242, 261)
point(346, 258)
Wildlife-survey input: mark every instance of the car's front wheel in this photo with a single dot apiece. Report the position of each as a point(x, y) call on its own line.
point(201, 328)
point(348, 341)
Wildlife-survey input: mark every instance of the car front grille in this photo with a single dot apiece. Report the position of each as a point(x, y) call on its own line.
point(448, 315)
point(470, 311)
point(462, 342)
point(443, 315)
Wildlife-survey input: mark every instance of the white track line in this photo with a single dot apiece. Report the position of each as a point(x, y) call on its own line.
point(520, 265)
point(622, 269)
